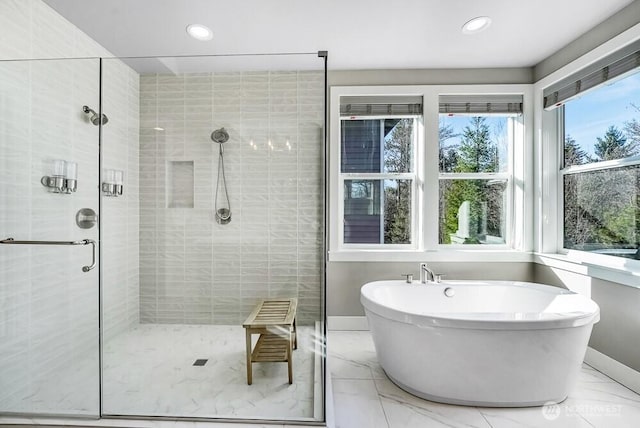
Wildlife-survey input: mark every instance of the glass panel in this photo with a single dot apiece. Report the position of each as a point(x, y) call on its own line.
point(473, 211)
point(49, 318)
point(182, 281)
point(397, 211)
point(398, 145)
point(603, 124)
point(374, 216)
point(475, 143)
point(602, 212)
point(361, 148)
point(362, 212)
point(378, 145)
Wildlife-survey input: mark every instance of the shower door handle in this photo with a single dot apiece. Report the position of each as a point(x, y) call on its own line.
point(12, 241)
point(93, 255)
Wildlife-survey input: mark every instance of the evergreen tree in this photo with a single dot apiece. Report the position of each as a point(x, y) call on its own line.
point(573, 154)
point(613, 145)
point(476, 153)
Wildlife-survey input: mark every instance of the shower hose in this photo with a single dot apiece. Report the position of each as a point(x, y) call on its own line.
point(220, 213)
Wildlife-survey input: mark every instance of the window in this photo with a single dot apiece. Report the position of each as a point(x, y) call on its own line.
point(377, 172)
point(418, 169)
point(601, 169)
point(476, 138)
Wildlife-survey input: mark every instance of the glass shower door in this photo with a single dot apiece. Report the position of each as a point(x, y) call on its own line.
point(49, 290)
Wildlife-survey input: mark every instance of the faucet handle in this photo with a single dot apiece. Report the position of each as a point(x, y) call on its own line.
point(409, 278)
point(437, 277)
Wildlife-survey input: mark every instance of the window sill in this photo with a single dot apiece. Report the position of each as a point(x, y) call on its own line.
point(613, 269)
point(440, 255)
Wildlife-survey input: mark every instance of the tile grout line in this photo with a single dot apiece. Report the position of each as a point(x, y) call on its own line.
point(375, 385)
point(483, 416)
point(585, 419)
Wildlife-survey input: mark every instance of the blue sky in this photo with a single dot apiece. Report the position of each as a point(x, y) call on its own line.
point(589, 117)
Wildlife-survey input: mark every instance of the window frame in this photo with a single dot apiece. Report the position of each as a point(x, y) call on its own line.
point(381, 176)
point(517, 133)
point(427, 172)
point(579, 169)
point(549, 203)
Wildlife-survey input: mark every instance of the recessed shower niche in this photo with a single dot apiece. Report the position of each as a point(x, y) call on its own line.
point(179, 184)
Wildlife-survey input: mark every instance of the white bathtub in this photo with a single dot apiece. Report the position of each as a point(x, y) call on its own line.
point(493, 343)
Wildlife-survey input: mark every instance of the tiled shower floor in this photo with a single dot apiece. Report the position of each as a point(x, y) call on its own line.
point(365, 397)
point(148, 371)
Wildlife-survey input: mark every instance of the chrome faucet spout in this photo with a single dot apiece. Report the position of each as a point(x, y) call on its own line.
point(426, 274)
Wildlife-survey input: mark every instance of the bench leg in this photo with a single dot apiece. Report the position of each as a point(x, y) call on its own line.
point(290, 358)
point(295, 335)
point(249, 374)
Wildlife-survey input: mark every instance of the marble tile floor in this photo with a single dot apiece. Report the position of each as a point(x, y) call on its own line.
point(365, 397)
point(148, 371)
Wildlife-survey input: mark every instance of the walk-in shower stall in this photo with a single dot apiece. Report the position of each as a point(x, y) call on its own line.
point(148, 205)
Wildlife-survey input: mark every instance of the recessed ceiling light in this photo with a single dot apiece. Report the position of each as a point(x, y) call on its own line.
point(476, 25)
point(199, 32)
point(157, 128)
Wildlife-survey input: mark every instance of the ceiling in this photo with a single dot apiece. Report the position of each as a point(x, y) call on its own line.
point(359, 34)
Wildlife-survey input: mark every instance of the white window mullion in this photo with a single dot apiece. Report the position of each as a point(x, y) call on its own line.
point(382, 209)
point(430, 161)
point(474, 176)
point(378, 176)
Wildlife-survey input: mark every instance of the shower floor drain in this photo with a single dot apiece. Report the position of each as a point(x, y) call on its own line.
point(200, 362)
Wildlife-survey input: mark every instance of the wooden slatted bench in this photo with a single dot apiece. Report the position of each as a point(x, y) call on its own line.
point(275, 321)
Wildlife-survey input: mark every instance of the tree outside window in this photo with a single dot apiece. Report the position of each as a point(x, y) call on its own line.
point(472, 210)
point(602, 204)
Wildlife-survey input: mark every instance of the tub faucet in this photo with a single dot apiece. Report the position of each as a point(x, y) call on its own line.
point(426, 273)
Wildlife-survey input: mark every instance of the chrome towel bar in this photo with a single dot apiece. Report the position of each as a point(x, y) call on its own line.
point(12, 241)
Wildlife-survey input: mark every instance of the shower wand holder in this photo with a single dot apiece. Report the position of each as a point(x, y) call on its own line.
point(223, 216)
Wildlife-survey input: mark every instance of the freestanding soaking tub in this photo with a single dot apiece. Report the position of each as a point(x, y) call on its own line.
point(480, 343)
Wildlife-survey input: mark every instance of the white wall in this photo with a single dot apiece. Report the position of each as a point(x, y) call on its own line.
point(616, 24)
point(48, 306)
point(344, 279)
point(457, 76)
point(616, 333)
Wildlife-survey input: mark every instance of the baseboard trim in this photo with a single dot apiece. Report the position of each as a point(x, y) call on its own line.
point(347, 323)
point(614, 369)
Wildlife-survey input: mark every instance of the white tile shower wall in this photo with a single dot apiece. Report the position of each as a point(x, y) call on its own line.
point(194, 270)
point(120, 215)
point(48, 306)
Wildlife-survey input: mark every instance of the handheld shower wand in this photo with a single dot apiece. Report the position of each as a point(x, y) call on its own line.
point(223, 215)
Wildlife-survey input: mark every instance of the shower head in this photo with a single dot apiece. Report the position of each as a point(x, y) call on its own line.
point(95, 117)
point(220, 136)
